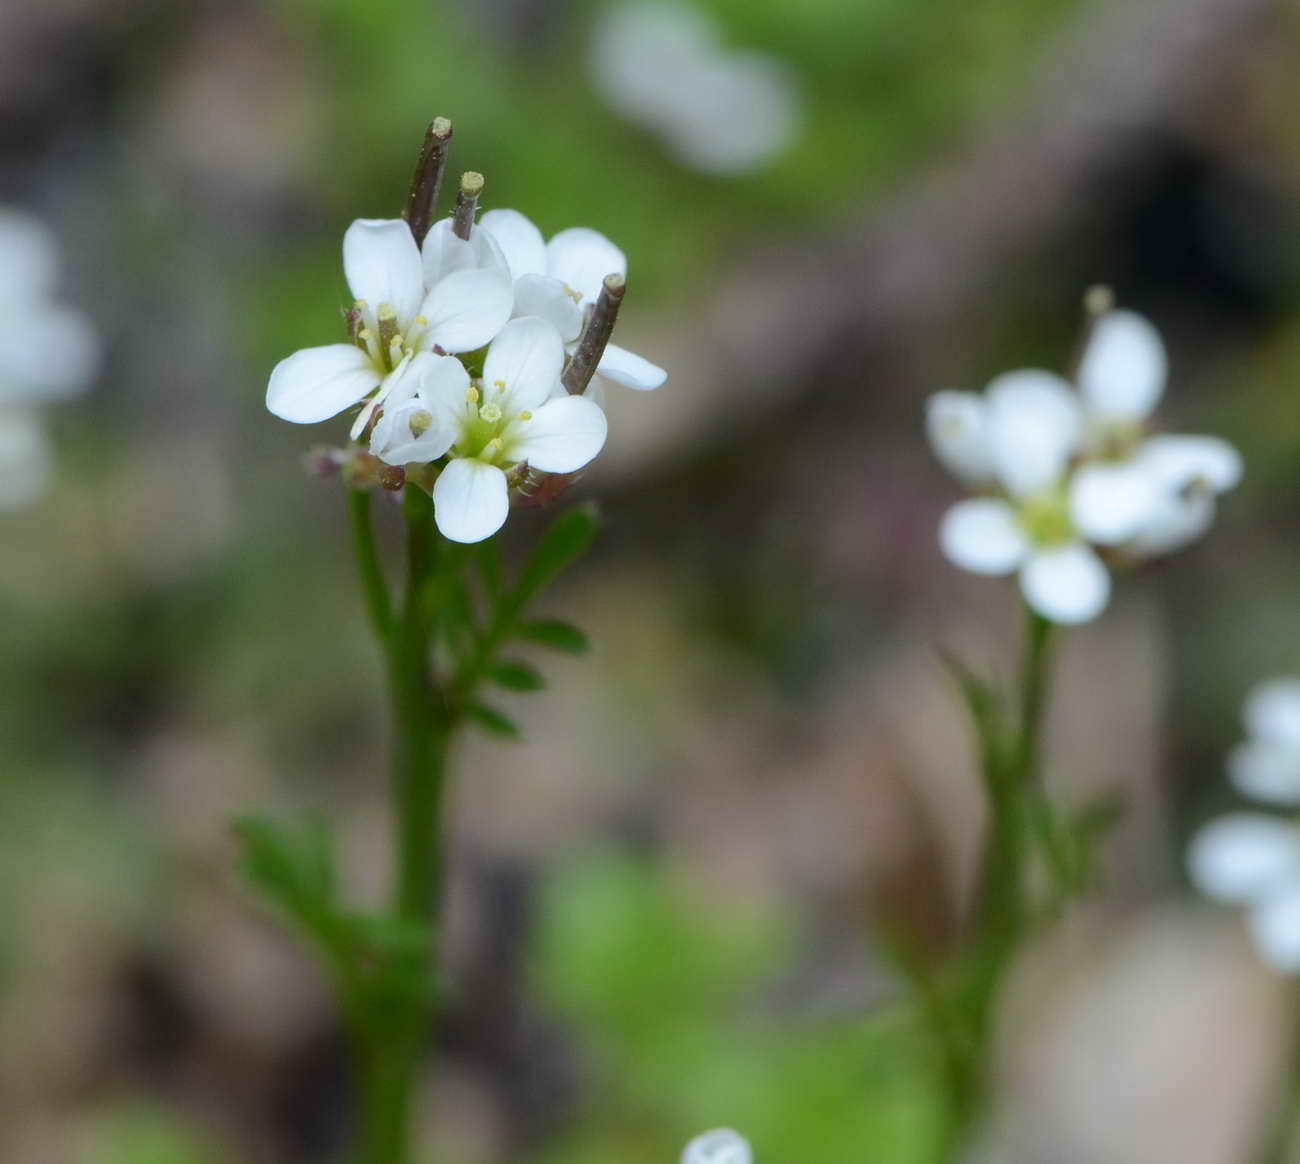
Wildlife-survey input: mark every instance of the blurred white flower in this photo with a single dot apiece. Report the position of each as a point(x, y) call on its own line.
point(48, 353)
point(1149, 494)
point(559, 280)
point(720, 1146)
point(663, 67)
point(1069, 471)
point(396, 316)
point(1266, 765)
point(1249, 858)
point(1020, 436)
point(517, 413)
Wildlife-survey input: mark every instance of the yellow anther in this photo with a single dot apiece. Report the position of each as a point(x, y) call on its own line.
point(387, 311)
point(525, 415)
point(420, 422)
point(422, 320)
point(493, 446)
point(366, 334)
point(499, 385)
point(471, 395)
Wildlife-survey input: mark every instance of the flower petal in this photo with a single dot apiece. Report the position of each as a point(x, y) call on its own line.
point(957, 425)
point(1275, 927)
point(443, 388)
point(1122, 373)
point(630, 370)
point(382, 265)
point(527, 358)
point(29, 257)
point(1111, 501)
point(1272, 712)
point(1177, 519)
point(26, 462)
point(560, 437)
point(467, 308)
point(983, 536)
point(470, 500)
point(1266, 771)
point(1243, 856)
point(1066, 584)
point(443, 253)
point(394, 443)
point(46, 353)
point(720, 1146)
point(520, 241)
point(317, 383)
point(1187, 462)
point(582, 258)
point(547, 297)
point(1034, 424)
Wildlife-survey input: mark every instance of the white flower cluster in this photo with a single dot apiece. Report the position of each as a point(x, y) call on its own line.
point(720, 1146)
point(1070, 473)
point(1252, 858)
point(664, 68)
point(48, 353)
point(422, 319)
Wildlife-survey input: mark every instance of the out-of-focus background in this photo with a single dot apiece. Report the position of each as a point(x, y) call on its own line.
point(662, 903)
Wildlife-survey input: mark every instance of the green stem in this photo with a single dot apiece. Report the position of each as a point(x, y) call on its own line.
point(1018, 812)
point(378, 605)
point(390, 1033)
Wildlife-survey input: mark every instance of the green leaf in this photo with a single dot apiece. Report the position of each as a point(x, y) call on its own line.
point(567, 538)
point(556, 634)
point(293, 869)
point(493, 722)
point(517, 677)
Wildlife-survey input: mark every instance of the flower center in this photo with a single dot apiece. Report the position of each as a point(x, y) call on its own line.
point(1046, 519)
point(379, 335)
point(485, 425)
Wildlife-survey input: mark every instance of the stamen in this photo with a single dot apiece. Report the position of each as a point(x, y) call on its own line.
point(420, 422)
point(367, 337)
point(499, 385)
point(471, 395)
point(525, 415)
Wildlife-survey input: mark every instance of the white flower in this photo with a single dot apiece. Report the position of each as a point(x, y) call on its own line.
point(1266, 765)
point(1150, 494)
point(517, 414)
point(1021, 436)
point(397, 318)
point(663, 66)
point(558, 280)
point(48, 352)
point(720, 1146)
point(1248, 858)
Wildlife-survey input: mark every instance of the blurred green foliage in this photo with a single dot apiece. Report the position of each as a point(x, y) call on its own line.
point(674, 1006)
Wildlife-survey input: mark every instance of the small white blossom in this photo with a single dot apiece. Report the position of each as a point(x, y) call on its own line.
point(1249, 858)
point(663, 67)
point(720, 1146)
point(397, 317)
point(1020, 436)
point(560, 279)
point(517, 413)
point(1068, 471)
point(48, 352)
